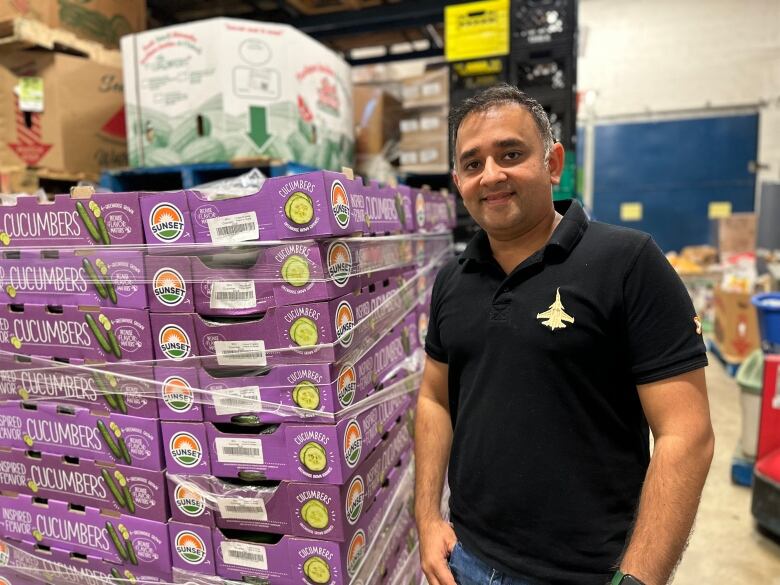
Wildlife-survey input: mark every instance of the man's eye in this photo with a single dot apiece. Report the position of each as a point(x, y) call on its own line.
point(470, 166)
point(512, 155)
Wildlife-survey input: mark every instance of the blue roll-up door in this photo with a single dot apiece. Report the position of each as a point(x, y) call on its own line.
point(674, 169)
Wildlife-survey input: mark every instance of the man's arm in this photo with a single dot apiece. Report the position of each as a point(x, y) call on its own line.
point(677, 411)
point(432, 442)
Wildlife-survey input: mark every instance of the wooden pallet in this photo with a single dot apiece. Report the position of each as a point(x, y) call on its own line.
point(29, 180)
point(25, 33)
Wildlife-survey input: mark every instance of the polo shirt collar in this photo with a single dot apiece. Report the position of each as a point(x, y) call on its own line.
point(565, 237)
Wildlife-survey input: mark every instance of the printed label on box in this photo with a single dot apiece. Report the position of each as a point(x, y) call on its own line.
point(245, 555)
point(242, 509)
point(240, 353)
point(233, 295)
point(239, 227)
point(237, 400)
point(232, 450)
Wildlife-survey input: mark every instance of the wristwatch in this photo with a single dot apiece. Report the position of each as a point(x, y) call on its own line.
point(621, 578)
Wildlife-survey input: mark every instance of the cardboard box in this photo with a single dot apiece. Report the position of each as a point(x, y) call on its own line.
point(377, 117)
point(425, 156)
point(735, 234)
point(223, 89)
point(79, 123)
point(425, 124)
point(432, 88)
point(104, 21)
point(736, 325)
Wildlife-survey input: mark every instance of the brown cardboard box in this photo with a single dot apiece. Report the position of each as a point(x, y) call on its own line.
point(432, 88)
point(104, 21)
point(425, 156)
point(424, 124)
point(377, 115)
point(736, 234)
point(736, 325)
point(82, 126)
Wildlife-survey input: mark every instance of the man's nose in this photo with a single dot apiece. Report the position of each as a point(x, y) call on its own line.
point(493, 173)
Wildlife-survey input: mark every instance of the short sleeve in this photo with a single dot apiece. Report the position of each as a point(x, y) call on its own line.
point(433, 344)
point(663, 331)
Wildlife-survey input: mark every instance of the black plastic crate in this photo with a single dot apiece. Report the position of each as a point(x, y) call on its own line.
point(548, 71)
point(539, 22)
point(468, 78)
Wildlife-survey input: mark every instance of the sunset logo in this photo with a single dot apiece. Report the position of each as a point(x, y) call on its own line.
point(419, 209)
point(339, 263)
point(189, 502)
point(4, 581)
point(185, 449)
point(174, 342)
point(346, 385)
point(355, 495)
point(339, 202)
point(169, 287)
point(166, 222)
point(3, 554)
point(357, 548)
point(177, 394)
point(353, 443)
point(190, 547)
point(345, 323)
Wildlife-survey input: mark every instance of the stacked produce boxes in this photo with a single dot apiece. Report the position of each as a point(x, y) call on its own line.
point(215, 389)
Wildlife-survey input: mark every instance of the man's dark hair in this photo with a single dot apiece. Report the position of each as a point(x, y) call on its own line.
point(501, 95)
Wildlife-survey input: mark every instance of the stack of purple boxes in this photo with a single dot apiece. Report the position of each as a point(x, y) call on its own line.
point(215, 389)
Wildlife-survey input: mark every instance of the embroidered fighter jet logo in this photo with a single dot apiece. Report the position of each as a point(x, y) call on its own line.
point(555, 317)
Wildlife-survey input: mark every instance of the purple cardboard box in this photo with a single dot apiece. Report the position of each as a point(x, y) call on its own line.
point(94, 278)
point(278, 452)
point(178, 388)
point(98, 220)
point(433, 249)
point(192, 547)
point(279, 394)
point(10, 577)
point(169, 284)
point(175, 340)
point(141, 546)
point(166, 220)
point(230, 290)
point(132, 491)
point(303, 560)
point(384, 210)
point(108, 334)
point(315, 510)
point(58, 565)
point(78, 432)
point(122, 388)
point(316, 204)
point(434, 211)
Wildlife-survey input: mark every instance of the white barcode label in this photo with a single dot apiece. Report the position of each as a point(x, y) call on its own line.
point(233, 295)
point(239, 227)
point(430, 89)
point(428, 154)
point(409, 158)
point(411, 125)
point(242, 509)
point(236, 400)
point(430, 122)
point(245, 555)
point(232, 450)
point(240, 353)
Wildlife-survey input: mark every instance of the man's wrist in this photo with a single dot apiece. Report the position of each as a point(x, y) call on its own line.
point(621, 578)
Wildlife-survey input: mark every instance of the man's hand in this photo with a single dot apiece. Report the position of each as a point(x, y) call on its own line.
point(437, 539)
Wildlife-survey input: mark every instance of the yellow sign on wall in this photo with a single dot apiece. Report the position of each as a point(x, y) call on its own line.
point(631, 211)
point(719, 210)
point(476, 30)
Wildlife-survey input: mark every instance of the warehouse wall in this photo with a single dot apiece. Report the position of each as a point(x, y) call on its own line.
point(640, 58)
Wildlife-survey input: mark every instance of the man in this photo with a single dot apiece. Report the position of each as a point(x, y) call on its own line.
point(553, 342)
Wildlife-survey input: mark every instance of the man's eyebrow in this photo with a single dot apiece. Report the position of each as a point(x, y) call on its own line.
point(469, 153)
point(509, 142)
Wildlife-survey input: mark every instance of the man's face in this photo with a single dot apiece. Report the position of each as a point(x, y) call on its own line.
point(500, 170)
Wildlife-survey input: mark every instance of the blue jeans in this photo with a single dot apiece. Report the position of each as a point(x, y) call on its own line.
point(469, 570)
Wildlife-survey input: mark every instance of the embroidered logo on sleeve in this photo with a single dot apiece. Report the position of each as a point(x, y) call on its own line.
point(697, 322)
point(556, 317)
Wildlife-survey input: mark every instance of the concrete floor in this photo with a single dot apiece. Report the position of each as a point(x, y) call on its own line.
point(725, 546)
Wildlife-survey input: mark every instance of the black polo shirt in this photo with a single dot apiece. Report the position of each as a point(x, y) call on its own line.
point(550, 443)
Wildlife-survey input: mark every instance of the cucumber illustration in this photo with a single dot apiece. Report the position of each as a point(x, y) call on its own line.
point(114, 342)
point(128, 499)
point(304, 331)
point(130, 550)
point(299, 208)
point(313, 456)
point(87, 221)
point(295, 271)
point(112, 487)
point(118, 543)
point(120, 400)
point(306, 395)
point(124, 451)
point(104, 237)
point(317, 570)
point(94, 278)
point(97, 331)
point(315, 514)
point(109, 439)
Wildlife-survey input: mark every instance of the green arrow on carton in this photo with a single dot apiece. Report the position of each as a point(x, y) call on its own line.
point(258, 125)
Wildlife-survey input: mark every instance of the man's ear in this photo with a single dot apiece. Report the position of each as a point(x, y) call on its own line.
point(555, 163)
